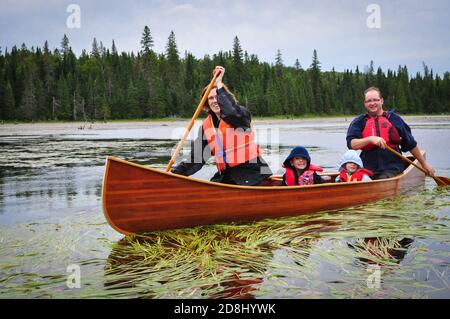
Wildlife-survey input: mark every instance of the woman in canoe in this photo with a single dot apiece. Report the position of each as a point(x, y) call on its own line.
point(226, 134)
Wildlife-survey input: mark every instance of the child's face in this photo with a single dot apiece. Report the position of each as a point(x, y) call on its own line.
point(299, 162)
point(351, 167)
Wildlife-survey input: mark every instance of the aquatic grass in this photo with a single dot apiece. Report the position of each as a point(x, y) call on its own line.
point(253, 244)
point(312, 256)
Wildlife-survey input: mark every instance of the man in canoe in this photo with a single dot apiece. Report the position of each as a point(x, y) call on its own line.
point(373, 131)
point(226, 134)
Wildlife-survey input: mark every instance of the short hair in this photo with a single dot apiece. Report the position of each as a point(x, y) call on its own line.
point(373, 88)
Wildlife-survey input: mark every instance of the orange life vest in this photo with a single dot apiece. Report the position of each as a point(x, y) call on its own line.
point(356, 176)
point(381, 126)
point(230, 145)
point(306, 178)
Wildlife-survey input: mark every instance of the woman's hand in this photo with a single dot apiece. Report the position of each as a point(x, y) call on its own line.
point(221, 69)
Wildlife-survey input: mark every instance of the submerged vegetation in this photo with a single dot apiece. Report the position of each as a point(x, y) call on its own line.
point(405, 239)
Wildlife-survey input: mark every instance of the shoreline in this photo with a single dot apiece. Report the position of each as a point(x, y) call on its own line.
point(48, 128)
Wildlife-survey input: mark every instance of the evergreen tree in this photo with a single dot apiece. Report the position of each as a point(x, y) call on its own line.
point(237, 70)
point(64, 45)
point(41, 84)
point(95, 52)
point(105, 110)
point(146, 41)
point(279, 64)
point(190, 83)
point(133, 109)
point(316, 85)
point(173, 78)
point(8, 103)
point(297, 65)
point(64, 111)
point(27, 107)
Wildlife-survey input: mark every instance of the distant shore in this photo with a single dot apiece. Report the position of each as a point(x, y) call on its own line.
point(46, 128)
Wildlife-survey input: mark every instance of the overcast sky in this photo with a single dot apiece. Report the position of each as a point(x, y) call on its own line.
point(345, 33)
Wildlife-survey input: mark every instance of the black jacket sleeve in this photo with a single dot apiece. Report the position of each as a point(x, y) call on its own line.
point(283, 182)
point(317, 179)
point(230, 112)
point(198, 156)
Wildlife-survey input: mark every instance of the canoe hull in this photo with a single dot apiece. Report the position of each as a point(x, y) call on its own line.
point(139, 199)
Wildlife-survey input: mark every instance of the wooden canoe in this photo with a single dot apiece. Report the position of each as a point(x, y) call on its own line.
point(139, 199)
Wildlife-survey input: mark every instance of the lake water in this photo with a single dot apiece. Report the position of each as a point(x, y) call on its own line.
point(53, 229)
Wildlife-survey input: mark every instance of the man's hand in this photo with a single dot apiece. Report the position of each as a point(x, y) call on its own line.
point(378, 141)
point(429, 168)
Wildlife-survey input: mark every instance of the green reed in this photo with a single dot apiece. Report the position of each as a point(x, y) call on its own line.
point(330, 254)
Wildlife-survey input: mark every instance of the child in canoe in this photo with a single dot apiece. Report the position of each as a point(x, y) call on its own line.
point(351, 168)
point(299, 170)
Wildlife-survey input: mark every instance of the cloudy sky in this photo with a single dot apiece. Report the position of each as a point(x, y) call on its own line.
point(345, 33)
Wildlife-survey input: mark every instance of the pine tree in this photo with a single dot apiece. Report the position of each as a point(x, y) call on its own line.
point(146, 41)
point(105, 109)
point(173, 78)
point(172, 54)
point(400, 97)
point(113, 49)
point(134, 110)
point(297, 65)
point(27, 107)
point(95, 52)
point(316, 85)
point(64, 45)
point(9, 104)
point(64, 111)
point(190, 83)
point(279, 64)
point(237, 70)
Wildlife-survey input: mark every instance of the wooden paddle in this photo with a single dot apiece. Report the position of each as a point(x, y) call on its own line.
point(440, 180)
point(191, 123)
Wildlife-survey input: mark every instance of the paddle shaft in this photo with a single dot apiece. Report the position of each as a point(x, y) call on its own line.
point(191, 123)
point(437, 179)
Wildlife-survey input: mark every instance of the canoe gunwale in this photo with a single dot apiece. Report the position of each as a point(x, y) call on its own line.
point(112, 158)
point(394, 183)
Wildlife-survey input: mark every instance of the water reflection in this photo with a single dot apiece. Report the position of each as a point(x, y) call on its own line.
point(50, 176)
point(222, 261)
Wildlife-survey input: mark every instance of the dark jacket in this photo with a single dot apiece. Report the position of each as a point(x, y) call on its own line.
point(378, 160)
point(250, 173)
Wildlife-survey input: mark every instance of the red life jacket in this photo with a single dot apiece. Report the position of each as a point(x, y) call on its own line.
point(306, 178)
point(229, 145)
point(356, 176)
point(381, 126)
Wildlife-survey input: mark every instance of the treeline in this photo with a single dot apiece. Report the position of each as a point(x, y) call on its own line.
point(40, 84)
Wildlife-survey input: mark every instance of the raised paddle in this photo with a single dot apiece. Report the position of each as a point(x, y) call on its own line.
point(440, 180)
point(191, 123)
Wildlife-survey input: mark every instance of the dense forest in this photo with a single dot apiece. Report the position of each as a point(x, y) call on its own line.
point(41, 84)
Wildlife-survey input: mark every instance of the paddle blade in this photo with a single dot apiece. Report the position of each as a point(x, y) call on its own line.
point(442, 180)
